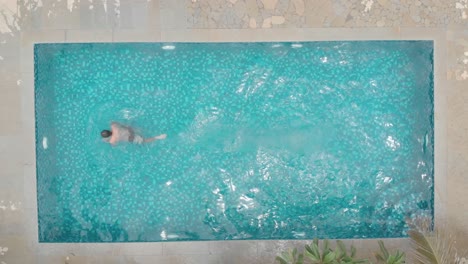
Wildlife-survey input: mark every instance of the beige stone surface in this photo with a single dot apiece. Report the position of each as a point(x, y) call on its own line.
point(267, 22)
point(218, 20)
point(10, 104)
point(269, 4)
point(10, 112)
point(277, 20)
point(327, 13)
point(457, 180)
point(148, 35)
point(299, 7)
point(73, 35)
point(252, 23)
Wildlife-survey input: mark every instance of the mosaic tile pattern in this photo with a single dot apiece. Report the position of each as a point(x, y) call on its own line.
point(252, 140)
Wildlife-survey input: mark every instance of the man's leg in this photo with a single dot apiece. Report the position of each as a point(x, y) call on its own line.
point(163, 136)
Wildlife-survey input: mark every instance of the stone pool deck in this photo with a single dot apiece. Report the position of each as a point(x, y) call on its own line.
point(24, 23)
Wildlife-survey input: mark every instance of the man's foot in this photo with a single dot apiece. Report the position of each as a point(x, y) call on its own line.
point(163, 136)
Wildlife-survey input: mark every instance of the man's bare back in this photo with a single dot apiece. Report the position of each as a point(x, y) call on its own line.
point(122, 133)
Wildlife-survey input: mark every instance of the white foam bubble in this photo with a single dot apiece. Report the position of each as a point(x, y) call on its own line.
point(296, 46)
point(163, 235)
point(168, 47)
point(45, 144)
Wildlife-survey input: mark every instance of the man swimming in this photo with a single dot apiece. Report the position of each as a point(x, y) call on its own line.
point(121, 133)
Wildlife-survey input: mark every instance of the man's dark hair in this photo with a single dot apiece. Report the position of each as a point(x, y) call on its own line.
point(106, 133)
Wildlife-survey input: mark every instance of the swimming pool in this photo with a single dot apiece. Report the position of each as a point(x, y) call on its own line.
point(265, 140)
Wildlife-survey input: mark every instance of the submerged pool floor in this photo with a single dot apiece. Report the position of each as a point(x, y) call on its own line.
point(264, 140)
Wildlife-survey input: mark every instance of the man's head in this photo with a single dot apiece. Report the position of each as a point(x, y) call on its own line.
point(106, 133)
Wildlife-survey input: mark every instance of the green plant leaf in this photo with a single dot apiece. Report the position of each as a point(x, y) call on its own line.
point(287, 256)
point(325, 247)
point(339, 254)
point(424, 250)
point(314, 259)
point(300, 259)
point(329, 257)
point(341, 246)
point(281, 260)
point(309, 249)
point(400, 257)
point(361, 261)
point(353, 251)
point(316, 250)
point(383, 250)
point(379, 258)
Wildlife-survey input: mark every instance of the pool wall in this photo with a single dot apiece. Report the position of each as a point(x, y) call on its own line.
point(18, 214)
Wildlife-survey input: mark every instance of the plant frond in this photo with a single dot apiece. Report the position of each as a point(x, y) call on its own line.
point(433, 246)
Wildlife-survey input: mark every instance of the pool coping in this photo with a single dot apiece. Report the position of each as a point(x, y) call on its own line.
point(437, 35)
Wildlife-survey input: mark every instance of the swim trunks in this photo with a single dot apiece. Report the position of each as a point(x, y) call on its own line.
point(135, 138)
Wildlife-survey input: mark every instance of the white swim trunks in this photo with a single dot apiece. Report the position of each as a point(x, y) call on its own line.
point(137, 139)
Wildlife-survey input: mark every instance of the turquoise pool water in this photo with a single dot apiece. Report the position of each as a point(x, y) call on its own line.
point(265, 140)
